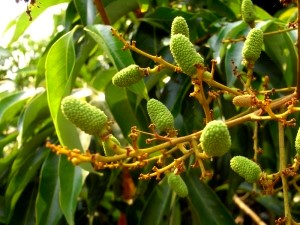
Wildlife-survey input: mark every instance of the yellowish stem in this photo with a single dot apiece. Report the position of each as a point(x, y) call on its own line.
point(282, 164)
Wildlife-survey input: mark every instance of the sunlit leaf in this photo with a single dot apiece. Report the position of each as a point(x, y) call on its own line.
point(116, 9)
point(60, 63)
point(113, 47)
point(86, 10)
point(22, 22)
point(11, 105)
point(36, 110)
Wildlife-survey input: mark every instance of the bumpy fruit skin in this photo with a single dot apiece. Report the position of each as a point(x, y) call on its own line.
point(179, 26)
point(246, 168)
point(185, 54)
point(297, 142)
point(177, 184)
point(248, 12)
point(127, 76)
point(253, 44)
point(88, 118)
point(160, 115)
point(242, 100)
point(215, 138)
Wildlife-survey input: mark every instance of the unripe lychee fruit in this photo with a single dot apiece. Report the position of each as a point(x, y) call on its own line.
point(242, 100)
point(248, 12)
point(160, 115)
point(178, 185)
point(253, 44)
point(179, 26)
point(185, 54)
point(88, 118)
point(246, 168)
point(297, 142)
point(215, 138)
point(128, 76)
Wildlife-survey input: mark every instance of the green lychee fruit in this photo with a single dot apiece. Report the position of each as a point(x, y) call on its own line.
point(178, 185)
point(185, 54)
point(88, 118)
point(128, 76)
point(160, 115)
point(246, 168)
point(215, 138)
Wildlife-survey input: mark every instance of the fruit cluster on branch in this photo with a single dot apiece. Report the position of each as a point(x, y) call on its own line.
point(213, 141)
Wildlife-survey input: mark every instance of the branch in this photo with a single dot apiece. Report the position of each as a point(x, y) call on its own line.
point(101, 10)
point(247, 210)
point(282, 162)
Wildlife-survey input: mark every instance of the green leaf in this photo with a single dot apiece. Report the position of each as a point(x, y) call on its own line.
point(11, 105)
point(215, 42)
point(2, 210)
point(284, 55)
point(60, 77)
point(47, 204)
point(41, 70)
point(119, 104)
point(97, 185)
point(5, 165)
point(86, 10)
point(234, 53)
point(113, 48)
point(262, 14)
point(24, 213)
point(60, 63)
point(175, 217)
point(162, 18)
point(103, 78)
point(205, 204)
point(25, 167)
point(10, 138)
point(71, 182)
point(116, 9)
point(36, 111)
point(110, 44)
point(222, 9)
point(22, 22)
point(157, 205)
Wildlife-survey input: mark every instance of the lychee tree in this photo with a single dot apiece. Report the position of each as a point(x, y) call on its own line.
point(153, 112)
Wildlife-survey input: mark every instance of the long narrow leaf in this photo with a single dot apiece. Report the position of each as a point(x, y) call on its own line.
point(47, 203)
point(113, 48)
point(60, 64)
point(205, 204)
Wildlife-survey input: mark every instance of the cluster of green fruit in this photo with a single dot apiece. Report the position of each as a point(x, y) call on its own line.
point(182, 50)
point(254, 41)
point(215, 139)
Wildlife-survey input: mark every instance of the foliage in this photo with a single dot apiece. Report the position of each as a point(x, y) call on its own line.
point(40, 187)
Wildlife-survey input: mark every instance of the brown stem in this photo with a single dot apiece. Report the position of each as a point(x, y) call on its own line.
point(200, 95)
point(248, 210)
point(100, 7)
point(255, 141)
